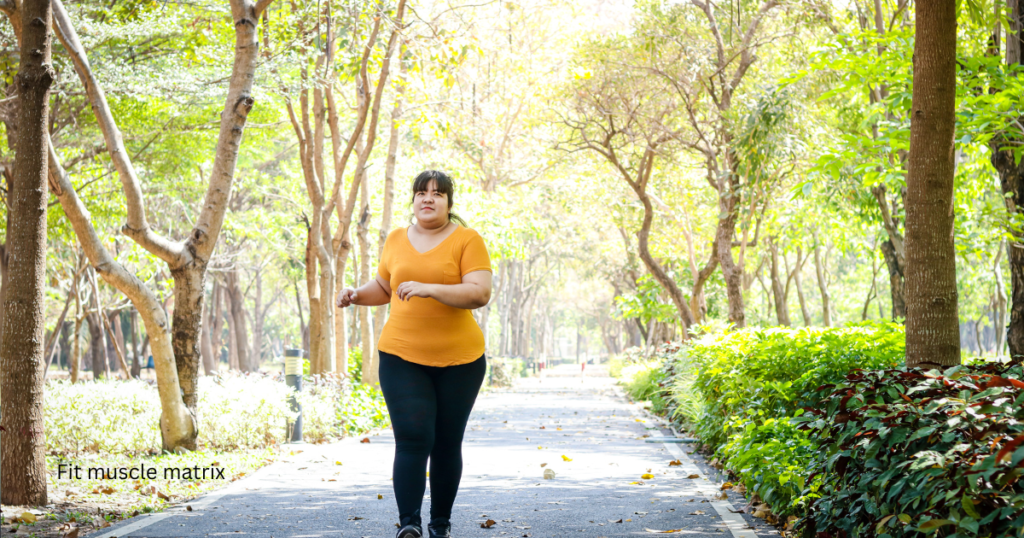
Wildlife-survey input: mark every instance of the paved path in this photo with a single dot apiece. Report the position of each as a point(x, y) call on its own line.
point(587, 420)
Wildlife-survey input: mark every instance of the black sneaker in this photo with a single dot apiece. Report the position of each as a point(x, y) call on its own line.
point(410, 531)
point(440, 527)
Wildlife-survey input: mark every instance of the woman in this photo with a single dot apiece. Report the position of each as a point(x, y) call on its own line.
point(431, 349)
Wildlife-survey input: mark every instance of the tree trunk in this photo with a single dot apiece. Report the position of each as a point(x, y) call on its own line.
point(205, 340)
point(933, 336)
point(236, 300)
point(366, 336)
point(999, 302)
point(136, 357)
point(800, 290)
point(819, 270)
point(217, 323)
point(1011, 176)
point(233, 362)
point(23, 452)
point(380, 312)
point(257, 324)
point(781, 308)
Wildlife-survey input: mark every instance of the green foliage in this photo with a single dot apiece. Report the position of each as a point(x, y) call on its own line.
point(905, 452)
point(771, 457)
point(362, 410)
point(774, 370)
point(643, 381)
point(355, 364)
point(236, 412)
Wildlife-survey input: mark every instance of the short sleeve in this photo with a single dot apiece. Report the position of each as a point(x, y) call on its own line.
point(474, 255)
point(382, 266)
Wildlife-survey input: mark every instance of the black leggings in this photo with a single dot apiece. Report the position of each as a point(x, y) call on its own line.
point(429, 408)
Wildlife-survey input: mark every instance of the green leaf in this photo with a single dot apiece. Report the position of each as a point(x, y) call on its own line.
point(968, 504)
point(933, 524)
point(904, 518)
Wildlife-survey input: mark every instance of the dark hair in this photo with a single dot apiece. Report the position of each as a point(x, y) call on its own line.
point(445, 185)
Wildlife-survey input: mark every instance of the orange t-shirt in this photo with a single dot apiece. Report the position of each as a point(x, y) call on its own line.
point(425, 331)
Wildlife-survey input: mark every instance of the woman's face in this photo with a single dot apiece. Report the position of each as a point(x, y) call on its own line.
point(430, 207)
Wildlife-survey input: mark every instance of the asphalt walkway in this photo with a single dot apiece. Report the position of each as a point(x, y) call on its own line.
point(582, 429)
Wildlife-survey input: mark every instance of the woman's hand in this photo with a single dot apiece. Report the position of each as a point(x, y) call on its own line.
point(347, 297)
point(409, 289)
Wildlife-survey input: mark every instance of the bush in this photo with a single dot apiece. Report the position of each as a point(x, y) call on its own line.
point(775, 370)
point(739, 389)
point(772, 456)
point(236, 411)
point(908, 451)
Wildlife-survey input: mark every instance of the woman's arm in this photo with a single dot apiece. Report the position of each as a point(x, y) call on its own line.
point(374, 293)
point(474, 292)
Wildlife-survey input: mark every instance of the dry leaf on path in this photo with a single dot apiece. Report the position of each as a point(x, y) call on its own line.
point(615, 520)
point(697, 513)
point(647, 476)
point(543, 465)
point(379, 496)
point(566, 458)
point(693, 476)
point(663, 532)
point(674, 463)
point(365, 440)
point(727, 485)
point(487, 524)
point(549, 473)
point(722, 496)
point(73, 533)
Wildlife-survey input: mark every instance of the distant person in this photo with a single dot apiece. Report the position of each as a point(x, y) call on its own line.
point(432, 360)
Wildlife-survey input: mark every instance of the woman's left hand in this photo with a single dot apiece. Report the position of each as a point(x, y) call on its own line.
point(409, 289)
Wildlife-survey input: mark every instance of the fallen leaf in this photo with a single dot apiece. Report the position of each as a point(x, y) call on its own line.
point(188, 507)
point(542, 428)
point(615, 520)
point(722, 496)
point(365, 440)
point(697, 513)
point(162, 495)
point(647, 476)
point(566, 458)
point(693, 476)
point(103, 524)
point(543, 464)
point(73, 533)
point(487, 524)
point(549, 473)
point(674, 463)
point(663, 532)
point(727, 485)
point(636, 483)
point(337, 463)
point(379, 496)
point(27, 517)
point(353, 518)
point(214, 464)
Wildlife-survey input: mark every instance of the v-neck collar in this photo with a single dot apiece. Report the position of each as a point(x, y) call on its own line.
point(409, 241)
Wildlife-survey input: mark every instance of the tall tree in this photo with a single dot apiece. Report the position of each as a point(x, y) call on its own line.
point(1011, 176)
point(933, 328)
point(175, 346)
point(23, 452)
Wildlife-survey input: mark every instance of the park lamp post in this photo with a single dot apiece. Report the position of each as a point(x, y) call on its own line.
point(293, 379)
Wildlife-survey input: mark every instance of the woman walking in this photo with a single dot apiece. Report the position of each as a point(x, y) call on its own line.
point(431, 349)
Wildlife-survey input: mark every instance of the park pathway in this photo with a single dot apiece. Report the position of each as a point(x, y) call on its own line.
point(513, 436)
